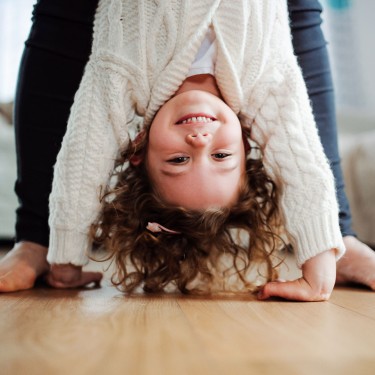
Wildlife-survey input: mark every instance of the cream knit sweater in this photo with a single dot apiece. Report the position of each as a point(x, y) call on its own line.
point(141, 53)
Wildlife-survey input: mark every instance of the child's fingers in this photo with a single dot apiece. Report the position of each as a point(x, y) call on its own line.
point(5, 284)
point(297, 290)
point(84, 279)
point(90, 277)
point(291, 290)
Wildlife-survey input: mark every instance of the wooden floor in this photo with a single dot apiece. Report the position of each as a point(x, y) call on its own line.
point(101, 331)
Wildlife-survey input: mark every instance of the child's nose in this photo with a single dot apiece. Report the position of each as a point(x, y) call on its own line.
point(198, 139)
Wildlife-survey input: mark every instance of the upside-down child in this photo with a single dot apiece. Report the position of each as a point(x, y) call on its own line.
point(199, 83)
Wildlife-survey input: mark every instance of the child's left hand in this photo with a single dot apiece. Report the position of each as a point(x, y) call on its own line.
point(64, 276)
point(316, 284)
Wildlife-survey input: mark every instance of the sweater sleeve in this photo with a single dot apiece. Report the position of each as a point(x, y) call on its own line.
point(283, 125)
point(102, 113)
point(95, 132)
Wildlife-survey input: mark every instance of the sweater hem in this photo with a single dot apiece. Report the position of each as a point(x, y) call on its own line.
point(67, 246)
point(316, 235)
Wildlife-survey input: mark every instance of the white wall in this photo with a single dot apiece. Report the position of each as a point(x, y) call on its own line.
point(350, 31)
point(15, 22)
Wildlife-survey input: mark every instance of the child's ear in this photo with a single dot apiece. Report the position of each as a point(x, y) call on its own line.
point(138, 156)
point(246, 143)
point(136, 159)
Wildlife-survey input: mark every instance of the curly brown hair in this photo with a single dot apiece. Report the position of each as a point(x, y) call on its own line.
point(212, 245)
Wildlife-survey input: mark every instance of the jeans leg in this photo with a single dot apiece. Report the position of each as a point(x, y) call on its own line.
point(51, 69)
point(310, 48)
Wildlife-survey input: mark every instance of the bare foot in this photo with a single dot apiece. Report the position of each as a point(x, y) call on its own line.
point(357, 265)
point(22, 265)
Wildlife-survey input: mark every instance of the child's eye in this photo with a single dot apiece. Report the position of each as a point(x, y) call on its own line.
point(220, 155)
point(179, 160)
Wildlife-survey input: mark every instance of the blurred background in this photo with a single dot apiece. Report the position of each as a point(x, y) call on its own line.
point(349, 28)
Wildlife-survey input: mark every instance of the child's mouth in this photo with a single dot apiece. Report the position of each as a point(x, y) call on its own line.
point(195, 118)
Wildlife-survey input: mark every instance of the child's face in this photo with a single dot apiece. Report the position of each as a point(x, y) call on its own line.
point(200, 163)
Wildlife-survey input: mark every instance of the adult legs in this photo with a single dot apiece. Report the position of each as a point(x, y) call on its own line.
point(310, 48)
point(51, 69)
point(358, 264)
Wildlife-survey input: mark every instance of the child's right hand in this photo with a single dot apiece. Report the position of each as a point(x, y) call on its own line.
point(63, 276)
point(316, 284)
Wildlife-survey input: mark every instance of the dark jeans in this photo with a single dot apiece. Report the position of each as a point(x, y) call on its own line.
point(52, 66)
point(310, 47)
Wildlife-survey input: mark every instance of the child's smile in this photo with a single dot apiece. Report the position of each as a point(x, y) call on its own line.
point(195, 118)
point(196, 156)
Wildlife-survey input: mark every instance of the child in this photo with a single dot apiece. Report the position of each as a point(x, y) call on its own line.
point(141, 56)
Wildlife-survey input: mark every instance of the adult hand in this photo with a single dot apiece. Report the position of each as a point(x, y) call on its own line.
point(63, 276)
point(316, 284)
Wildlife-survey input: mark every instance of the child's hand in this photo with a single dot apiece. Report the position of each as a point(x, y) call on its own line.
point(316, 284)
point(69, 276)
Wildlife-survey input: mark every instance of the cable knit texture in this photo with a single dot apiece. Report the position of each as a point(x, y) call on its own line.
point(142, 51)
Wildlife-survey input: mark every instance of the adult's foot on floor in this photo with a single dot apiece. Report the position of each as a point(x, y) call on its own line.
point(357, 265)
point(22, 265)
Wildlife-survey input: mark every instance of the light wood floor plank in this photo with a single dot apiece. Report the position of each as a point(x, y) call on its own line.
point(359, 300)
point(284, 333)
point(97, 331)
point(101, 331)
